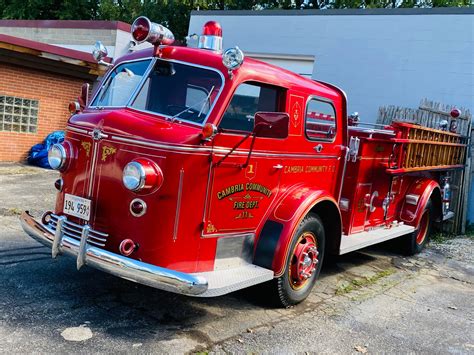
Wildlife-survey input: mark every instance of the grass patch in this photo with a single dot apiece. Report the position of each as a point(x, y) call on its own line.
point(363, 282)
point(13, 211)
point(440, 238)
point(19, 170)
point(470, 231)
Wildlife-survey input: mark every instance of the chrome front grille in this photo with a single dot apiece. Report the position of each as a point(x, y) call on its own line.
point(74, 231)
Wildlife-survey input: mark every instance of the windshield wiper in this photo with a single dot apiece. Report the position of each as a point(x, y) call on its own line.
point(203, 101)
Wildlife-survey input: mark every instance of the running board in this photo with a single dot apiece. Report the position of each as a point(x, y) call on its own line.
point(226, 281)
point(364, 239)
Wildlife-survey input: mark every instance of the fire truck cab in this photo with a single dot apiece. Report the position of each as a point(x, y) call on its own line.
point(201, 172)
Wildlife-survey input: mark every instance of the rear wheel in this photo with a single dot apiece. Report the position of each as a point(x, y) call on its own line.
point(420, 237)
point(303, 263)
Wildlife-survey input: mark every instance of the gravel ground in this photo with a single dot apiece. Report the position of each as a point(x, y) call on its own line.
point(371, 301)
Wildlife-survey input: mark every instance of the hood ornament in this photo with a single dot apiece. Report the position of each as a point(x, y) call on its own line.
point(98, 135)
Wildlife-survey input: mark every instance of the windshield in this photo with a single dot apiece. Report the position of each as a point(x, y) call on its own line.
point(121, 83)
point(179, 91)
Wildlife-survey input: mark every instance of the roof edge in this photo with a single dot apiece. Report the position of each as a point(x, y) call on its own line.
point(48, 48)
point(300, 57)
point(86, 24)
point(340, 12)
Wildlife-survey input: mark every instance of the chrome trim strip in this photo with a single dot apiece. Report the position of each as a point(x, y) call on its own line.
point(206, 201)
point(343, 174)
point(93, 165)
point(178, 204)
point(74, 230)
point(126, 268)
point(218, 150)
point(371, 130)
point(229, 234)
point(412, 199)
point(78, 130)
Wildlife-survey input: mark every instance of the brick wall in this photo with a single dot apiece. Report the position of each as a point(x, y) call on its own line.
point(53, 91)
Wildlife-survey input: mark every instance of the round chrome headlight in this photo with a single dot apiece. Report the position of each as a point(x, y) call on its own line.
point(134, 176)
point(57, 156)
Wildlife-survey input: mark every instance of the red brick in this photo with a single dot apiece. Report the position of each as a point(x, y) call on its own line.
point(53, 91)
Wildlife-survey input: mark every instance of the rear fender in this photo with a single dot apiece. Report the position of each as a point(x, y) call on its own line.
point(416, 199)
point(275, 237)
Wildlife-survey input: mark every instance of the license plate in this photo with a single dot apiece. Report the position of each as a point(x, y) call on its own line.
point(77, 206)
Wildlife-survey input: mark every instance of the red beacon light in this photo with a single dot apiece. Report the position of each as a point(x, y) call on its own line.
point(455, 113)
point(211, 37)
point(145, 30)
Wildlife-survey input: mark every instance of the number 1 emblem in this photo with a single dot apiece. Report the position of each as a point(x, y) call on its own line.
point(250, 172)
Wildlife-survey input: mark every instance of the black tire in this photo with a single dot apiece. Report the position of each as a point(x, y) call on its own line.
point(285, 291)
point(416, 241)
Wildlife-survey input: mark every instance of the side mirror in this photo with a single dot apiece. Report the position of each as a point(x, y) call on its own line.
point(84, 98)
point(271, 124)
point(99, 51)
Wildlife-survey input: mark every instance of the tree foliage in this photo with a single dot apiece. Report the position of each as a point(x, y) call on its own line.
point(175, 13)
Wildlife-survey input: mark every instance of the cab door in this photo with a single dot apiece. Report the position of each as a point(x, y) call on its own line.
point(243, 182)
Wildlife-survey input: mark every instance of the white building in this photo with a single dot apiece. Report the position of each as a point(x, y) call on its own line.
point(378, 57)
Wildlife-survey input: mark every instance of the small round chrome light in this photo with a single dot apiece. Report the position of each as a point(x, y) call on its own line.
point(134, 176)
point(233, 58)
point(57, 156)
point(137, 207)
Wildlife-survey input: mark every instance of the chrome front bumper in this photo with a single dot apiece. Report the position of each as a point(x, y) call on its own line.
point(126, 268)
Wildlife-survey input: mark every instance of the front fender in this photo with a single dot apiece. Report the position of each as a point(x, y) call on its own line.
point(276, 235)
point(416, 199)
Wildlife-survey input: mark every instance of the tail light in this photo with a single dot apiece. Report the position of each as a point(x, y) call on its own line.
point(145, 30)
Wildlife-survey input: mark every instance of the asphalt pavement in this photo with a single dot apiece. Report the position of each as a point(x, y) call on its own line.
point(371, 301)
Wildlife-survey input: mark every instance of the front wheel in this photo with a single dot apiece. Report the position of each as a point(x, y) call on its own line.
point(303, 263)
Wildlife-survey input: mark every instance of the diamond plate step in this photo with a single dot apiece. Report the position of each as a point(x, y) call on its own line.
point(226, 281)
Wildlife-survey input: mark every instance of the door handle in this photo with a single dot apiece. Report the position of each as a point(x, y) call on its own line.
point(278, 166)
point(318, 148)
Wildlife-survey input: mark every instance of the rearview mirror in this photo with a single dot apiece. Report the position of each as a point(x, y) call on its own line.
point(271, 124)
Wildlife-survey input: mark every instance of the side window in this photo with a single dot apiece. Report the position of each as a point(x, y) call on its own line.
point(320, 121)
point(247, 100)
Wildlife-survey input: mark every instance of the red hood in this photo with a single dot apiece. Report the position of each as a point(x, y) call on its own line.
point(133, 124)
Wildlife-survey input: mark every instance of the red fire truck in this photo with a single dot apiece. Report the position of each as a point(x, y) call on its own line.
point(201, 172)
